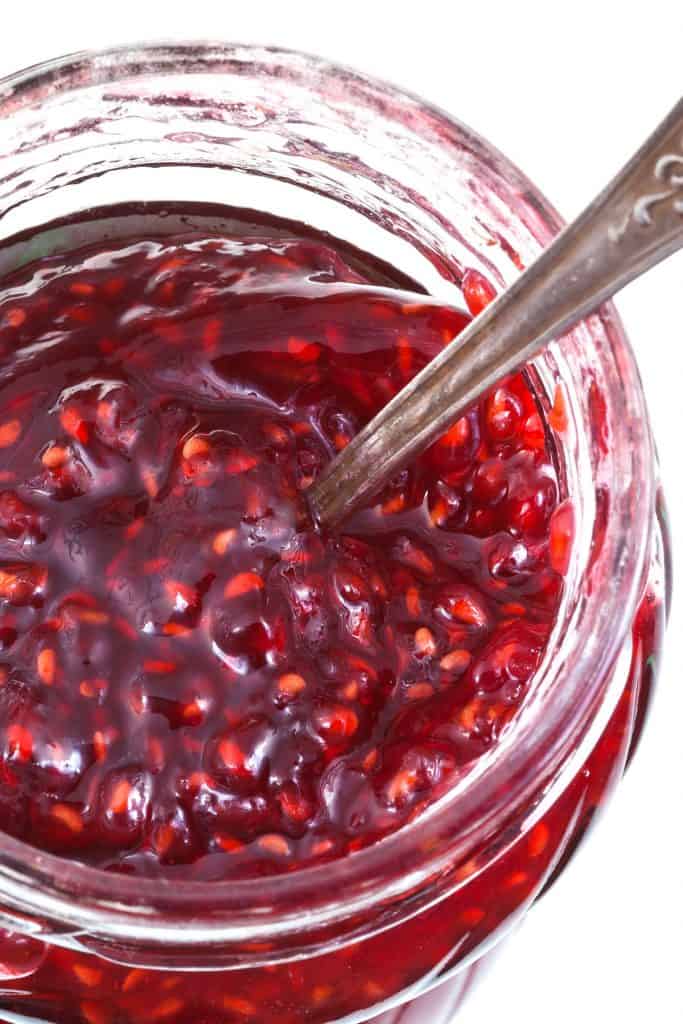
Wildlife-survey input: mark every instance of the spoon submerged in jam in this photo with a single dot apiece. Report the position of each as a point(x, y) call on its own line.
point(194, 682)
point(636, 222)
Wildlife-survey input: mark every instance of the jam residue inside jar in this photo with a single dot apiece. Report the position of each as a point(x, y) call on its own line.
point(195, 681)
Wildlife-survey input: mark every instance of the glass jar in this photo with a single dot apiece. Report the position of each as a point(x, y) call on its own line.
point(284, 133)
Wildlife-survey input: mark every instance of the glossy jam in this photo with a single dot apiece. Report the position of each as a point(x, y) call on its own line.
point(193, 678)
point(195, 683)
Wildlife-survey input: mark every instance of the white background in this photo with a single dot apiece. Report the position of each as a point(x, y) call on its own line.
point(568, 91)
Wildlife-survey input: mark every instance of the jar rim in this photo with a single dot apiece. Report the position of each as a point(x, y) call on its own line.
point(231, 911)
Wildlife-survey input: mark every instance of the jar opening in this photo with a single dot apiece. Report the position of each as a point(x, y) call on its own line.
point(396, 177)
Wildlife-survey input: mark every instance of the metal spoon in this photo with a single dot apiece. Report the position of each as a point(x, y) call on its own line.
point(632, 225)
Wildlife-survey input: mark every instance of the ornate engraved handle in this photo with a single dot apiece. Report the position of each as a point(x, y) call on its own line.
point(669, 169)
point(632, 225)
point(657, 183)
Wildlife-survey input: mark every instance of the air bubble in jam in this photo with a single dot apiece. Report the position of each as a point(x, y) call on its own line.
point(20, 955)
point(196, 684)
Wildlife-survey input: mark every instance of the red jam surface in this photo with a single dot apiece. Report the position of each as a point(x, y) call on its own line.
point(195, 682)
point(193, 679)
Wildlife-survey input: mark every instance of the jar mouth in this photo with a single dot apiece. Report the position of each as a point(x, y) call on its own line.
point(569, 703)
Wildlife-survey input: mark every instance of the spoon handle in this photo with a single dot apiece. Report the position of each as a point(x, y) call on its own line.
point(632, 225)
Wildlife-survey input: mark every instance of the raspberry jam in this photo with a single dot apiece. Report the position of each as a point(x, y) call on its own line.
point(199, 685)
point(194, 680)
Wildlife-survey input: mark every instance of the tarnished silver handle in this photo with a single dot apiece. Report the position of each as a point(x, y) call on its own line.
point(636, 222)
